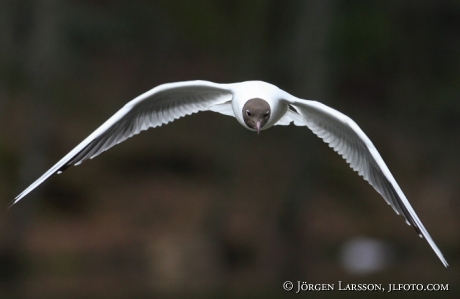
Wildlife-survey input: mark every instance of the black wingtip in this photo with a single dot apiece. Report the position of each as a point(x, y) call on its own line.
point(11, 204)
point(63, 168)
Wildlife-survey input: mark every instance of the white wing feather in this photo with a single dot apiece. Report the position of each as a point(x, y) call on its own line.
point(158, 106)
point(291, 117)
point(224, 108)
point(346, 138)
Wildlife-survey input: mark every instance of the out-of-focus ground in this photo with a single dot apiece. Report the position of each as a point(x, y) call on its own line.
point(202, 207)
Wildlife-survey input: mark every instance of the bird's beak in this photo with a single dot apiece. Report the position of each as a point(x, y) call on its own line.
point(258, 127)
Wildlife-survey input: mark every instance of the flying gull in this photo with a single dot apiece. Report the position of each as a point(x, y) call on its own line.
point(257, 106)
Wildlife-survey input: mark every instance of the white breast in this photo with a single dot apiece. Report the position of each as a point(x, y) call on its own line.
point(244, 91)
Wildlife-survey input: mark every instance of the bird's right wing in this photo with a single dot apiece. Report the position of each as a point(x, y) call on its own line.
point(158, 106)
point(348, 140)
point(291, 117)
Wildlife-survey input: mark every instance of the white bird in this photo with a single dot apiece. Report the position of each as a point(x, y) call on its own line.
point(257, 106)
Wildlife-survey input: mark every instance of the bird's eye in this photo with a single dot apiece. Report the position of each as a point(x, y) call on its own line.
point(266, 113)
point(248, 113)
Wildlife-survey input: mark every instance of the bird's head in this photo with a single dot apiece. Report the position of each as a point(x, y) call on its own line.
point(256, 113)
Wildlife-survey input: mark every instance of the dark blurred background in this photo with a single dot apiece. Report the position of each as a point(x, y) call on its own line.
point(202, 207)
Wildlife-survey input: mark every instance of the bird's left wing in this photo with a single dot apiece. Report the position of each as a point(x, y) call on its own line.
point(346, 138)
point(158, 106)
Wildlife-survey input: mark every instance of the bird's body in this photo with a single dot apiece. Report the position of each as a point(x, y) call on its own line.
point(258, 90)
point(257, 106)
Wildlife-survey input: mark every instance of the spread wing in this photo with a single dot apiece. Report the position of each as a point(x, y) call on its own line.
point(346, 138)
point(158, 106)
point(291, 117)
